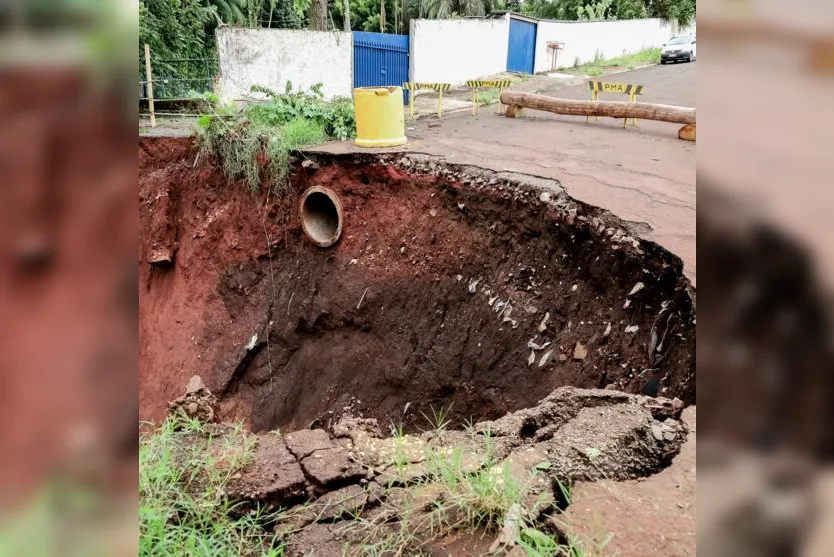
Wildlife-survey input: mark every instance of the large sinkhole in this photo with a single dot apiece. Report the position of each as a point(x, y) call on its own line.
point(449, 288)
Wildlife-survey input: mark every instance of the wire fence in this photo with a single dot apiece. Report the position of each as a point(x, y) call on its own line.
point(177, 79)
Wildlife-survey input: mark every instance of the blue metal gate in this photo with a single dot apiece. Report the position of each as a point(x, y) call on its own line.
point(521, 50)
point(380, 59)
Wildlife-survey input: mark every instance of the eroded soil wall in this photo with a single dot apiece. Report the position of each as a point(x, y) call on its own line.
point(462, 287)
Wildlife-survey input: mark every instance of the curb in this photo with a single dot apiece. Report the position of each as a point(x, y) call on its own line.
point(624, 71)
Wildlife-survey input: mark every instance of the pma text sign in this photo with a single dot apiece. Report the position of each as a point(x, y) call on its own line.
point(610, 87)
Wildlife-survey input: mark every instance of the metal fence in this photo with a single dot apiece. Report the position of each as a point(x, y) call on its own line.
point(177, 79)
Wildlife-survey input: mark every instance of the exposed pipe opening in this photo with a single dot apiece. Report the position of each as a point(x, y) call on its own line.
point(321, 216)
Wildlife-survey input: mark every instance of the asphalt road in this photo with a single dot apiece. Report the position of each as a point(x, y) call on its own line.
point(670, 84)
point(644, 175)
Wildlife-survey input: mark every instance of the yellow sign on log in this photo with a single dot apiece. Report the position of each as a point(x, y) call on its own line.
point(630, 89)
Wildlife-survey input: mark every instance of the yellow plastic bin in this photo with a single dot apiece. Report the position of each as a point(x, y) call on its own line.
point(379, 116)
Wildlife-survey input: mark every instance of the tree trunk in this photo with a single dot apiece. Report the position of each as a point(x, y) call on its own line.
point(687, 132)
point(317, 15)
point(347, 15)
point(382, 16)
point(613, 109)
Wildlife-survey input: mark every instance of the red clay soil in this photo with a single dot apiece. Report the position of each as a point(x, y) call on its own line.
point(282, 338)
point(647, 516)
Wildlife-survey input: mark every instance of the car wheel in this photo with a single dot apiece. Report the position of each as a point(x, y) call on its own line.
point(663, 62)
point(689, 59)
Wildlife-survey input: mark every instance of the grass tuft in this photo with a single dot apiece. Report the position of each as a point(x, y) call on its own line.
point(486, 97)
point(439, 419)
point(620, 63)
point(183, 508)
point(299, 133)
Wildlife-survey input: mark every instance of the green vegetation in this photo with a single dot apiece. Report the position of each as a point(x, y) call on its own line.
point(181, 38)
point(440, 9)
point(681, 10)
point(456, 496)
point(439, 419)
point(621, 63)
point(274, 128)
point(183, 509)
point(181, 32)
point(486, 97)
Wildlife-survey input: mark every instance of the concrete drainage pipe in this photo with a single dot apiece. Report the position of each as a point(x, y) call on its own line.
point(321, 216)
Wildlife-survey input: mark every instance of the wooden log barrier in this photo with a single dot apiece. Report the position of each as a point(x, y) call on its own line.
point(614, 109)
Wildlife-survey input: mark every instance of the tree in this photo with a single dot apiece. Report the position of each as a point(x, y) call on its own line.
point(317, 15)
point(553, 9)
point(440, 9)
point(231, 12)
point(175, 29)
point(594, 11)
point(347, 15)
point(681, 10)
point(182, 48)
point(629, 9)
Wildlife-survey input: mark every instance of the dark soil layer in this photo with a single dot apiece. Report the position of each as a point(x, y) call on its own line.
point(281, 336)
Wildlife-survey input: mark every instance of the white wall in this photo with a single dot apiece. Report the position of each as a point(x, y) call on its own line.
point(270, 57)
point(454, 50)
point(589, 39)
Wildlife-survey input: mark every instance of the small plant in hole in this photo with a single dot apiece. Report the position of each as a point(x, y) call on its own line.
point(563, 495)
point(400, 456)
point(439, 419)
point(536, 543)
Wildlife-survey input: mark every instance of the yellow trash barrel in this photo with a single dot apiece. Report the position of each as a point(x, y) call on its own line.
point(379, 116)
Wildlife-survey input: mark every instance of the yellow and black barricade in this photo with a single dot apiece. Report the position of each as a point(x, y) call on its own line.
point(413, 87)
point(475, 84)
point(632, 90)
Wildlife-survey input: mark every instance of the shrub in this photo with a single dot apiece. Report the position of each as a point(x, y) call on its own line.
point(283, 123)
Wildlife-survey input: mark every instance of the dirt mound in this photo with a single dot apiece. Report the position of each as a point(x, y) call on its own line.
point(335, 484)
point(197, 401)
point(449, 286)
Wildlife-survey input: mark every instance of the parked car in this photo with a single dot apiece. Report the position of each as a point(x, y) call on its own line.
point(678, 49)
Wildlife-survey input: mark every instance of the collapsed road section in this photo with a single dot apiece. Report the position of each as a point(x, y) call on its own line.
point(400, 285)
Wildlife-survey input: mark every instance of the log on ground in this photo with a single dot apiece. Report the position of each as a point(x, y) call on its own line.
point(687, 132)
point(613, 109)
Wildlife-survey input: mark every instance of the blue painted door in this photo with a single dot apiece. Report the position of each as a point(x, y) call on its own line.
point(380, 59)
point(521, 50)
